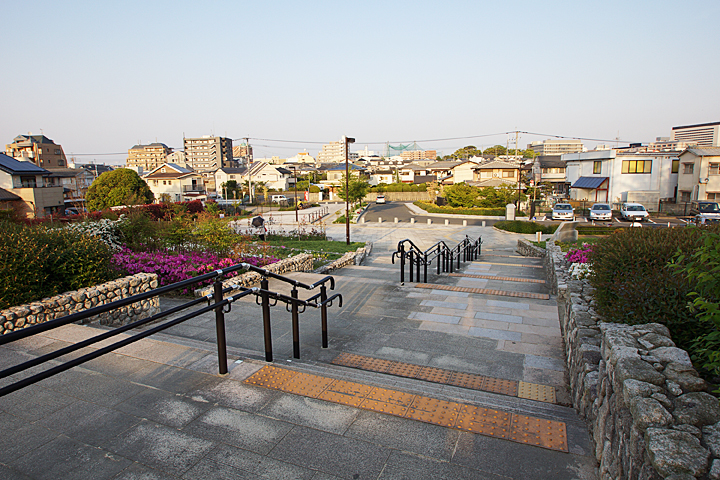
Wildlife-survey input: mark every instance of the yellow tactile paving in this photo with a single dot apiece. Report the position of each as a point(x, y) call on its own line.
point(532, 391)
point(517, 428)
point(484, 291)
point(495, 277)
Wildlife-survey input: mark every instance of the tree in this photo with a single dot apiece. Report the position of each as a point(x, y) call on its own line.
point(461, 195)
point(497, 150)
point(118, 187)
point(466, 152)
point(231, 187)
point(358, 188)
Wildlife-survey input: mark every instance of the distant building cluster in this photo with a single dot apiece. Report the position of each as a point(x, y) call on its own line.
point(36, 178)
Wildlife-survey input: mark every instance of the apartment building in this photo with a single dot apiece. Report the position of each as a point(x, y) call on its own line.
point(147, 157)
point(419, 155)
point(37, 149)
point(699, 175)
point(333, 152)
point(703, 135)
point(25, 189)
point(208, 153)
point(556, 147)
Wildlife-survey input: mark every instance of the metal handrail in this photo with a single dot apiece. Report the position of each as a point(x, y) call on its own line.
point(446, 257)
point(216, 301)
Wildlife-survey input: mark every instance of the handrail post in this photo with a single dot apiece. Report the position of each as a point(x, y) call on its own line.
point(295, 324)
point(323, 316)
point(266, 319)
point(411, 258)
point(425, 268)
point(220, 326)
point(452, 261)
point(438, 259)
point(458, 258)
point(402, 264)
point(418, 259)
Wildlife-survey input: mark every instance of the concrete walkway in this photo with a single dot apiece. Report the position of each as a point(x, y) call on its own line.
point(158, 409)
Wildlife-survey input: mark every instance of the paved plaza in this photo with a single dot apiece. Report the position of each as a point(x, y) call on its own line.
point(157, 409)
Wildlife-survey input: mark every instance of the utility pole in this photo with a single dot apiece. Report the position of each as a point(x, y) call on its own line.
point(250, 162)
point(347, 189)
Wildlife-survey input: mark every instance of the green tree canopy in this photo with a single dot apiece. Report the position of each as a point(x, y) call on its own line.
point(496, 150)
point(466, 152)
point(118, 187)
point(461, 195)
point(358, 188)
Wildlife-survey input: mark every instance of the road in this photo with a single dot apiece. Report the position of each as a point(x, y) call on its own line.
point(391, 210)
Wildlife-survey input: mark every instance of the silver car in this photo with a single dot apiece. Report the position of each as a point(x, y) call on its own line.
point(601, 211)
point(563, 211)
point(634, 212)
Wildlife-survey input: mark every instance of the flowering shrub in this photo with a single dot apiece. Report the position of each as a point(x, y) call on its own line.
point(580, 261)
point(108, 231)
point(579, 255)
point(172, 267)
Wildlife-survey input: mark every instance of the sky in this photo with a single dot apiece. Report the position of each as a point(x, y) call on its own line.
point(101, 77)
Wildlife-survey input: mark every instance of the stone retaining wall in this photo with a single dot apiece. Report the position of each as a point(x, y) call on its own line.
point(298, 263)
point(646, 407)
point(17, 318)
point(349, 258)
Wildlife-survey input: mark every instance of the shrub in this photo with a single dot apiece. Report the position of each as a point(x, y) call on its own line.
point(634, 283)
point(38, 262)
point(596, 230)
point(521, 226)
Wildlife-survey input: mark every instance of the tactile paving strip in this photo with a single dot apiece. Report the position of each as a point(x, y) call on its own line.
point(516, 428)
point(544, 393)
point(484, 291)
point(532, 391)
point(495, 277)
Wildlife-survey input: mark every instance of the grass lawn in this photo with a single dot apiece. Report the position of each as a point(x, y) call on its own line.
point(324, 251)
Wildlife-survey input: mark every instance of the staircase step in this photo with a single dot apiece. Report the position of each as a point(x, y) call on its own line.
point(508, 264)
point(495, 277)
point(517, 428)
point(484, 291)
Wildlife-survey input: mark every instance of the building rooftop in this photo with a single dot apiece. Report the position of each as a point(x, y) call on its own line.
point(12, 166)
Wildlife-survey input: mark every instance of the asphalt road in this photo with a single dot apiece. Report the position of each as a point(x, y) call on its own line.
point(391, 210)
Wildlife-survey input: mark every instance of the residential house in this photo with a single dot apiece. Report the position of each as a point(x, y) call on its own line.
point(75, 183)
point(496, 173)
point(26, 180)
point(228, 174)
point(173, 183)
point(441, 170)
point(551, 169)
point(335, 174)
point(37, 149)
point(699, 175)
point(622, 175)
point(382, 176)
point(463, 171)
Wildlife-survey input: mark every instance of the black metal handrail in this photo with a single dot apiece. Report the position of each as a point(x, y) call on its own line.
point(444, 256)
point(216, 301)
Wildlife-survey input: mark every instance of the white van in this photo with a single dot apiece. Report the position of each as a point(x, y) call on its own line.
point(278, 199)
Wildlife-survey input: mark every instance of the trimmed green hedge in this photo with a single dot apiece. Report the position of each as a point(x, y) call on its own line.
point(494, 212)
point(595, 230)
point(38, 262)
point(634, 283)
point(521, 226)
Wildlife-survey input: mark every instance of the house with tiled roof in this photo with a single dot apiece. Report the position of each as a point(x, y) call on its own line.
point(27, 181)
point(173, 183)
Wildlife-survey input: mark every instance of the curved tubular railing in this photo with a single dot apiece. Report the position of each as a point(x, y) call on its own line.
point(446, 258)
point(216, 301)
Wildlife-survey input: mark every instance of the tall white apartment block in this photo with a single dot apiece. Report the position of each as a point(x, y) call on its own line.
point(333, 152)
point(704, 135)
point(556, 147)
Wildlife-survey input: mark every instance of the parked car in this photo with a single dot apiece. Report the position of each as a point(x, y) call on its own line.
point(278, 199)
point(601, 211)
point(634, 212)
point(380, 199)
point(705, 212)
point(563, 211)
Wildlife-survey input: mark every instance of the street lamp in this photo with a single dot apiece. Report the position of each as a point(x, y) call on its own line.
point(347, 190)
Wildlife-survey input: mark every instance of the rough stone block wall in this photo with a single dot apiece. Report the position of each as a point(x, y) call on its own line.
point(647, 409)
point(298, 263)
point(349, 258)
point(22, 316)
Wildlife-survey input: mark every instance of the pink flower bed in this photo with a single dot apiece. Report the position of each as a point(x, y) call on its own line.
point(579, 255)
point(172, 267)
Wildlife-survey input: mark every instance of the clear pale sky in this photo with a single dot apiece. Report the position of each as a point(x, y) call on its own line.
point(99, 77)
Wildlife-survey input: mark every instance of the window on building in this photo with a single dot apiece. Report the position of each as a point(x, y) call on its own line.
point(715, 196)
point(675, 166)
point(164, 182)
point(28, 182)
point(597, 167)
point(688, 168)
point(508, 173)
point(61, 162)
point(636, 166)
point(714, 169)
point(57, 151)
point(485, 174)
point(684, 196)
point(169, 182)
